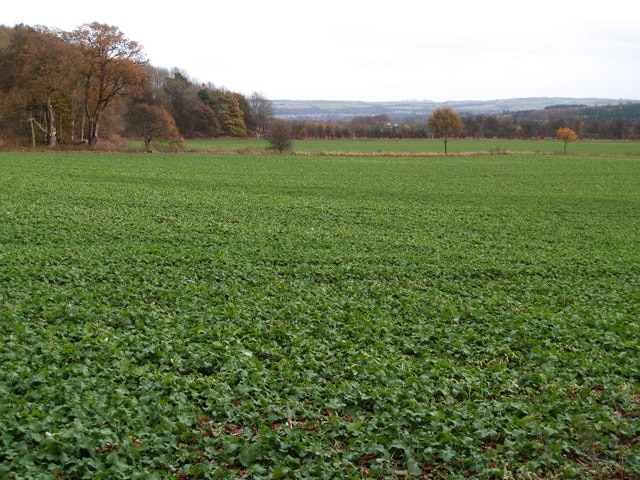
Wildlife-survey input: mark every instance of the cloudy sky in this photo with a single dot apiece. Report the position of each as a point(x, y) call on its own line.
point(377, 50)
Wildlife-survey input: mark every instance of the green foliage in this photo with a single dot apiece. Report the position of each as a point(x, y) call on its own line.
point(627, 111)
point(202, 316)
point(226, 106)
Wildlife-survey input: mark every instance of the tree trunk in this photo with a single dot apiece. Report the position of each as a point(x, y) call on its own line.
point(94, 119)
point(52, 139)
point(445, 144)
point(33, 134)
point(92, 134)
point(84, 122)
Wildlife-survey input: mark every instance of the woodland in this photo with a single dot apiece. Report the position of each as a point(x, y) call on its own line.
point(73, 88)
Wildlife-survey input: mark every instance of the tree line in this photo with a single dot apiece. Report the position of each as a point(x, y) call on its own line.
point(93, 82)
point(71, 87)
point(588, 123)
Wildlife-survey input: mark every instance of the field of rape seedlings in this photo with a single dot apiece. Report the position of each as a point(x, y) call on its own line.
point(189, 316)
point(417, 147)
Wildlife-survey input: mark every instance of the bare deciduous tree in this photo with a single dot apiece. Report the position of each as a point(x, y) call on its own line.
point(262, 110)
point(280, 136)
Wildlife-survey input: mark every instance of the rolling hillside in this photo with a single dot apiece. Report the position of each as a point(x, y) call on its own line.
point(333, 109)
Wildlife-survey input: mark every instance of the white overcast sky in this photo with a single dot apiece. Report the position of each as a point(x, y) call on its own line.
point(377, 50)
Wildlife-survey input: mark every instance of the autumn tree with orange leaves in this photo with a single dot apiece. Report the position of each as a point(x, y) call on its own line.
point(567, 135)
point(44, 61)
point(111, 66)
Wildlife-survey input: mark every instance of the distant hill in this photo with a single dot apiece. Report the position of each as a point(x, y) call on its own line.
point(331, 109)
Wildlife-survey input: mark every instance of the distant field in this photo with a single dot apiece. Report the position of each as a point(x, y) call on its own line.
point(201, 315)
point(433, 146)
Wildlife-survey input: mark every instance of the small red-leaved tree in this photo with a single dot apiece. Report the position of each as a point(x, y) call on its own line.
point(153, 124)
point(566, 135)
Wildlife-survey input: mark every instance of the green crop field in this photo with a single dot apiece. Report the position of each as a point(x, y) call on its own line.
point(395, 146)
point(254, 316)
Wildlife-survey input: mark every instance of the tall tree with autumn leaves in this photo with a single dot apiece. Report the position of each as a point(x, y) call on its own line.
point(44, 61)
point(36, 82)
point(111, 66)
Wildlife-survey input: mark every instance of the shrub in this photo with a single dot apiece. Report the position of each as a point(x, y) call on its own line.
point(280, 136)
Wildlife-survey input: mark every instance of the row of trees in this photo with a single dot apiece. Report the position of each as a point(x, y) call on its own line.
point(446, 123)
point(443, 123)
point(58, 86)
point(523, 125)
